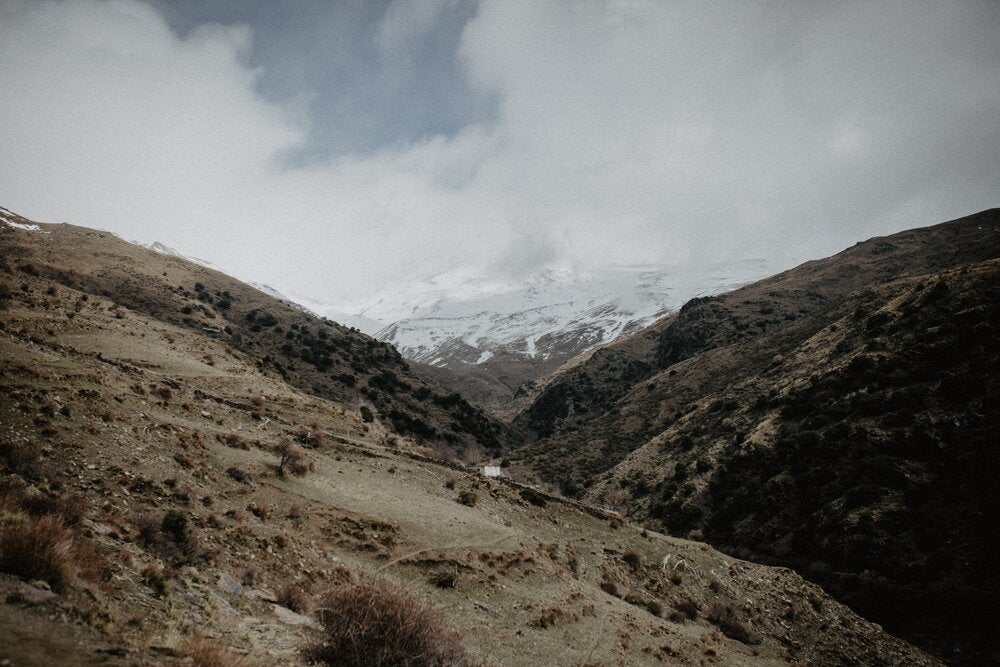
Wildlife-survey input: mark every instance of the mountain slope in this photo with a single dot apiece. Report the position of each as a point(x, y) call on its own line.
point(839, 418)
point(317, 355)
point(495, 336)
point(150, 448)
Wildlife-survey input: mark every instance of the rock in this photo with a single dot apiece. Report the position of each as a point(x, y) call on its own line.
point(230, 585)
point(33, 595)
point(291, 618)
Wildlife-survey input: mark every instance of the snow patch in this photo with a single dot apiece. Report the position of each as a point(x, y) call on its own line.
point(484, 357)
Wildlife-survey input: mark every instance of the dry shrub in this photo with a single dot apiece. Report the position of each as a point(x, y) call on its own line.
point(206, 653)
point(44, 548)
point(18, 497)
point(291, 459)
point(291, 596)
point(232, 440)
point(22, 458)
point(445, 576)
point(633, 560)
point(727, 619)
point(688, 607)
point(374, 623)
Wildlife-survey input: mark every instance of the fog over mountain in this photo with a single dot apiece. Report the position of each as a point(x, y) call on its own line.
point(338, 150)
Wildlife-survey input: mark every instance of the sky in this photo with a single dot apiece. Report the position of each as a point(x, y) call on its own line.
point(338, 149)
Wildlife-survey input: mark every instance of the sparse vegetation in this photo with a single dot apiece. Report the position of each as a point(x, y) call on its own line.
point(376, 624)
point(291, 596)
point(727, 619)
point(467, 497)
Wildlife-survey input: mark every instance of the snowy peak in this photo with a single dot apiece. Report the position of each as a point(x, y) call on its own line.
point(451, 320)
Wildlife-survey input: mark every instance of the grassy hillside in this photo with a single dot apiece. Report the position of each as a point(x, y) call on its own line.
point(839, 418)
point(167, 497)
point(317, 355)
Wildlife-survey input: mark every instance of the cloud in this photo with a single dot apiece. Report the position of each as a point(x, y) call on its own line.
point(623, 132)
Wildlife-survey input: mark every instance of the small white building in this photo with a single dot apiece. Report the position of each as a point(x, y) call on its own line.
point(491, 471)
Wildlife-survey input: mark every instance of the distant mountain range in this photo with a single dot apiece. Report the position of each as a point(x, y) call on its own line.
point(451, 320)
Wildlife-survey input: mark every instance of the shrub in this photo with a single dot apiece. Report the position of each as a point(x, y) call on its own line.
point(469, 498)
point(205, 653)
point(39, 548)
point(632, 559)
point(367, 416)
point(22, 458)
point(239, 475)
point(155, 578)
point(727, 619)
point(175, 524)
point(654, 607)
point(444, 577)
point(291, 596)
point(291, 459)
point(609, 587)
point(688, 607)
point(533, 497)
point(375, 623)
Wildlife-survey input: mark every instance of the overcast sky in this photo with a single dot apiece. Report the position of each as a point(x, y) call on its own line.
point(335, 148)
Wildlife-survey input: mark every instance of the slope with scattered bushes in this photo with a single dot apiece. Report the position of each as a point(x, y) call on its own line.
point(234, 518)
point(839, 418)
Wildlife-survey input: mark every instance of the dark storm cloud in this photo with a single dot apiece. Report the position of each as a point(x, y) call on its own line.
point(355, 97)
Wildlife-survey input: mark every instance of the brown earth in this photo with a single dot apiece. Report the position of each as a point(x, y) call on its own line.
point(155, 443)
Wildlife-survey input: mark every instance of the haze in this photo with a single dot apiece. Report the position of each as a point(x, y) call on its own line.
point(335, 149)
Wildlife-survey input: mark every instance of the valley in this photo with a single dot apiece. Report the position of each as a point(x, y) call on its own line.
point(819, 420)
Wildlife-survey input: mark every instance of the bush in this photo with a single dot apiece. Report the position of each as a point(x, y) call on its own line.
point(633, 560)
point(688, 607)
point(205, 653)
point(40, 548)
point(175, 525)
point(533, 497)
point(291, 459)
point(291, 596)
point(469, 498)
point(367, 416)
point(728, 620)
point(374, 623)
point(239, 475)
point(444, 577)
point(155, 578)
point(22, 458)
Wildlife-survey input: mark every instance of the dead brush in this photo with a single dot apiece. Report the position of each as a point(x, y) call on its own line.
point(375, 623)
point(291, 459)
point(207, 653)
point(44, 548)
point(291, 596)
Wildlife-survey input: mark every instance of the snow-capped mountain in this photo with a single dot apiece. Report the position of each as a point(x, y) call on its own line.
point(451, 320)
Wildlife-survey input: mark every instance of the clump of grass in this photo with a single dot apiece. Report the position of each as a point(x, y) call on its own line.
point(632, 559)
point(206, 653)
point(688, 608)
point(39, 548)
point(444, 577)
point(156, 579)
point(22, 458)
point(727, 619)
point(240, 476)
point(291, 459)
point(291, 596)
point(175, 524)
point(374, 623)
